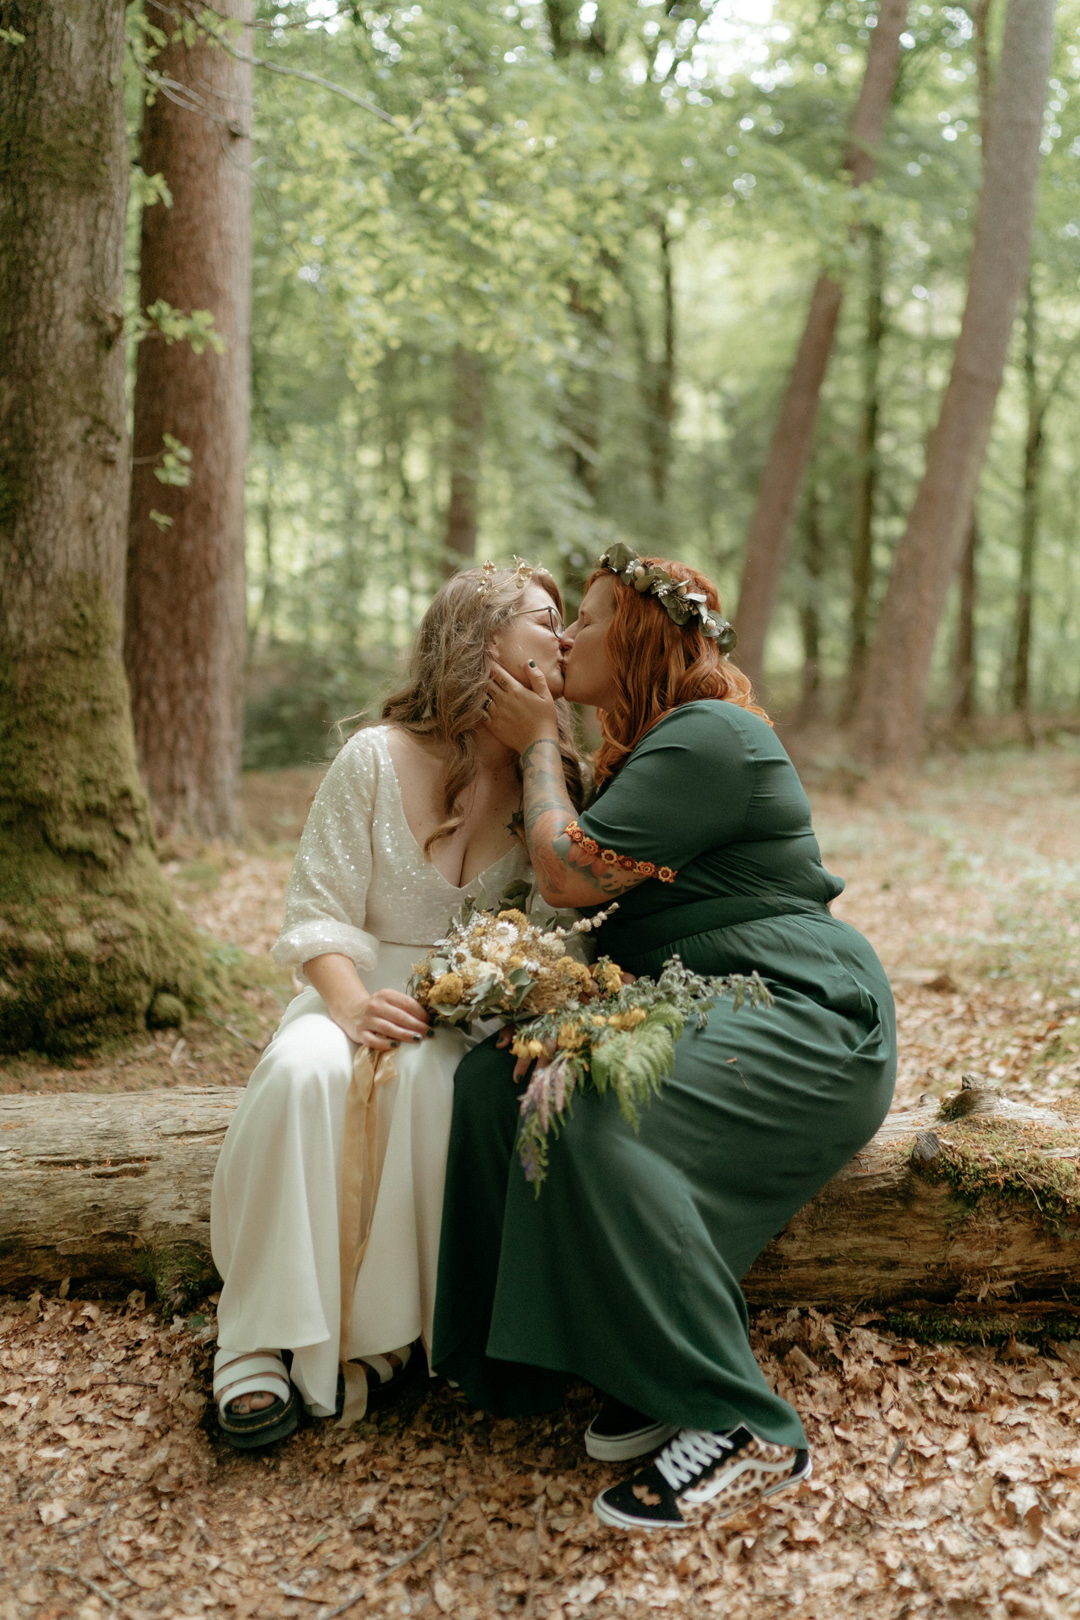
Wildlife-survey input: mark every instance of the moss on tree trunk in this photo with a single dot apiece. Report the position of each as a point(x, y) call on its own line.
point(90, 940)
point(89, 934)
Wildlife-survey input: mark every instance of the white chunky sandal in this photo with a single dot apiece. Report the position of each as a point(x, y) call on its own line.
point(374, 1380)
point(254, 1372)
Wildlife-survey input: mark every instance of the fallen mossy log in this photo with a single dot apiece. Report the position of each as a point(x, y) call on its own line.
point(973, 1200)
point(977, 1200)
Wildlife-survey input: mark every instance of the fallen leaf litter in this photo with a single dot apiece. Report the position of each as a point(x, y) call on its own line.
point(946, 1482)
point(947, 1478)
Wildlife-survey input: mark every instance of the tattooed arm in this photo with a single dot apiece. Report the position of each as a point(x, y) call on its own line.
point(566, 874)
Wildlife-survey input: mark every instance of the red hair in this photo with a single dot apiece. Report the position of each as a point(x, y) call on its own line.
point(660, 665)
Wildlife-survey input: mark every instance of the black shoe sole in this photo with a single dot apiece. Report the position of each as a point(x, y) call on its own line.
point(253, 1439)
point(626, 1521)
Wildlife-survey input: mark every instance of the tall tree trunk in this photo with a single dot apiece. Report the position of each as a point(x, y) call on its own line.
point(661, 401)
point(656, 376)
point(184, 646)
point(862, 548)
point(265, 621)
point(583, 417)
point(1029, 516)
point(810, 612)
point(890, 719)
point(466, 442)
point(767, 537)
point(962, 702)
point(979, 11)
point(90, 941)
point(964, 668)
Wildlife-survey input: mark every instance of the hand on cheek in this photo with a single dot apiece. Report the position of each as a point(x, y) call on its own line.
point(517, 713)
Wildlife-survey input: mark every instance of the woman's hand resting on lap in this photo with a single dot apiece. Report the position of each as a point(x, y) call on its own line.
point(383, 1020)
point(380, 1020)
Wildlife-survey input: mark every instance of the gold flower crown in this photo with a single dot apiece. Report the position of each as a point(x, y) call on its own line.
point(678, 601)
point(490, 569)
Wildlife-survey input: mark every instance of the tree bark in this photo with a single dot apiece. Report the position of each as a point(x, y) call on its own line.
point(90, 940)
point(583, 419)
point(944, 1204)
point(962, 705)
point(810, 612)
point(114, 1192)
point(466, 442)
point(862, 549)
point(964, 669)
point(890, 719)
point(185, 637)
point(1034, 441)
point(658, 379)
point(789, 452)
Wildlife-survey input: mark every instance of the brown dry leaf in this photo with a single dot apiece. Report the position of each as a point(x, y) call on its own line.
point(975, 1517)
point(443, 1594)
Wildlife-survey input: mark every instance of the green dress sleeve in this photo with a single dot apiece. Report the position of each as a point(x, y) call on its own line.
point(686, 788)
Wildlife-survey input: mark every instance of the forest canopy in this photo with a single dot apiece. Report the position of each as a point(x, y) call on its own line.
point(531, 276)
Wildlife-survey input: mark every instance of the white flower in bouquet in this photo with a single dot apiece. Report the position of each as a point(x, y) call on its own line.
point(579, 1024)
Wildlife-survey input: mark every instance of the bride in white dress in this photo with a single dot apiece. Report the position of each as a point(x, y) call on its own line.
point(414, 817)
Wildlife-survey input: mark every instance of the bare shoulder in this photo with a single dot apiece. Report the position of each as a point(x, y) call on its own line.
point(416, 760)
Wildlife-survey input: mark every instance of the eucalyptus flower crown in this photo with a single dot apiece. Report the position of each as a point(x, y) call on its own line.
point(678, 601)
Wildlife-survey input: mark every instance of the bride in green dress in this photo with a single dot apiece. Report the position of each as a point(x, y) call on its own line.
point(625, 1270)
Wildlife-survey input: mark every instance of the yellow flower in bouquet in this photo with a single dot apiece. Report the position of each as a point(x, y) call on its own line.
point(577, 1024)
point(500, 964)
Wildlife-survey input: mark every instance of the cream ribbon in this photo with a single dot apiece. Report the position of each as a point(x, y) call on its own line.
point(359, 1190)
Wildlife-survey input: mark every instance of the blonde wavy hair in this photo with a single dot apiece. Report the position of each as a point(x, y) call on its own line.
point(448, 674)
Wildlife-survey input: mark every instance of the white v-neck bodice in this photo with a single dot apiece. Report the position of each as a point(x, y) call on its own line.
point(360, 879)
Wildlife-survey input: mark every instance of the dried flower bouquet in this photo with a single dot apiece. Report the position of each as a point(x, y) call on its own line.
point(582, 1025)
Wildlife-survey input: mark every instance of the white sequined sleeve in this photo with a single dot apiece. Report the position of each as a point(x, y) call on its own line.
point(326, 901)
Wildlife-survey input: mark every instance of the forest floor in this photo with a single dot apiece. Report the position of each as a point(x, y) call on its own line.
point(946, 1476)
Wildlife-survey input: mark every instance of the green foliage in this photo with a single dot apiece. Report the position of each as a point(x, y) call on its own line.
point(623, 1043)
point(196, 328)
point(622, 212)
point(634, 1063)
point(175, 463)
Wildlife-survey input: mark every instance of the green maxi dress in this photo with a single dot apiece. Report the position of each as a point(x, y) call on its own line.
point(625, 1270)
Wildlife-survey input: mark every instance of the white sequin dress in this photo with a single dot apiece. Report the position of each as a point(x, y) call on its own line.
point(360, 886)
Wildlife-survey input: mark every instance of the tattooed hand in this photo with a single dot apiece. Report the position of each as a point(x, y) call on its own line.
point(524, 718)
point(520, 715)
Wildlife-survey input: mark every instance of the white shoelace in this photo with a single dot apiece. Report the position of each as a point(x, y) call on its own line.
point(690, 1452)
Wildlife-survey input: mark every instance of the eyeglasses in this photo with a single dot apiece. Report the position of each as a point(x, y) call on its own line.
point(555, 624)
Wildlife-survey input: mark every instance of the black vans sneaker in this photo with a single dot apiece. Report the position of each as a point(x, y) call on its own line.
point(702, 1475)
point(618, 1432)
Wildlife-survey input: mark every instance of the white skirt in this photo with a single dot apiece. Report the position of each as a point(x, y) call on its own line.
point(274, 1209)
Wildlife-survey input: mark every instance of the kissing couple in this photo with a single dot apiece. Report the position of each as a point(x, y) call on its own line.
point(624, 1273)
